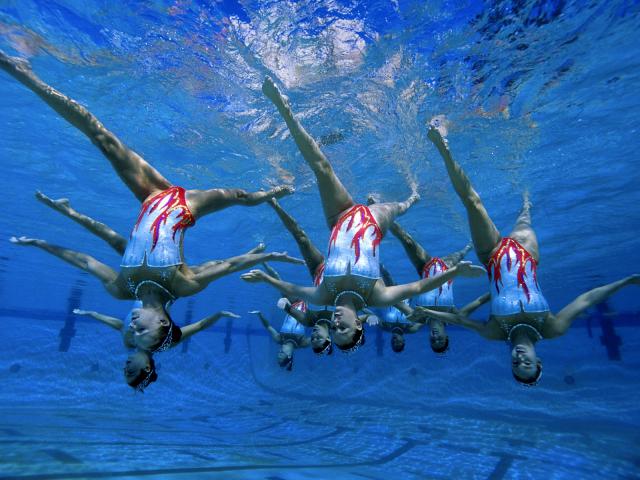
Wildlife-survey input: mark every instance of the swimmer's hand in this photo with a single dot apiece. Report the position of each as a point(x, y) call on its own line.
point(373, 320)
point(438, 131)
point(78, 311)
point(419, 315)
point(283, 257)
point(467, 269)
point(225, 313)
point(272, 92)
point(283, 303)
point(254, 276)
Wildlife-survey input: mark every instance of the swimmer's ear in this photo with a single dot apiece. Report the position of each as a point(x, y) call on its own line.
point(147, 368)
point(358, 323)
point(165, 322)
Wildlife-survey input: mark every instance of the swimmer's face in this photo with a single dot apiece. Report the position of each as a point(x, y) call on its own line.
point(437, 335)
point(283, 358)
point(136, 363)
point(346, 325)
point(524, 362)
point(397, 342)
point(146, 325)
point(319, 337)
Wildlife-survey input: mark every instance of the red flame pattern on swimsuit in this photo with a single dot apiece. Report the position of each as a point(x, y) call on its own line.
point(317, 278)
point(176, 201)
point(522, 257)
point(366, 220)
point(299, 305)
point(438, 267)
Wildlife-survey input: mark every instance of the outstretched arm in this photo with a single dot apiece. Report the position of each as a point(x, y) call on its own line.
point(265, 323)
point(112, 322)
point(193, 328)
point(471, 307)
point(309, 294)
point(456, 319)
point(383, 296)
point(141, 178)
point(559, 324)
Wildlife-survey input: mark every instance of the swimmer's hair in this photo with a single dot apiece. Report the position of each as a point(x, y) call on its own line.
point(397, 347)
point(356, 342)
point(529, 382)
point(326, 349)
point(153, 376)
point(443, 349)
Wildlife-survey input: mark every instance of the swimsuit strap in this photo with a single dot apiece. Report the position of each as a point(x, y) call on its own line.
point(531, 327)
point(352, 292)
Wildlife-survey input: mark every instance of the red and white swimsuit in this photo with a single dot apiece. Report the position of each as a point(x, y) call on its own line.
point(353, 250)
point(513, 282)
point(158, 233)
point(438, 297)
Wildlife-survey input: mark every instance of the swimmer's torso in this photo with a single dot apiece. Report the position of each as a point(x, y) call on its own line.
point(291, 328)
point(391, 317)
point(438, 297)
point(513, 283)
point(353, 260)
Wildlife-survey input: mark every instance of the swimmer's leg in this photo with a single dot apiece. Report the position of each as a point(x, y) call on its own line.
point(335, 197)
point(454, 258)
point(386, 213)
point(203, 202)
point(198, 268)
point(557, 325)
point(106, 233)
point(79, 260)
point(484, 233)
point(140, 177)
point(523, 232)
point(312, 256)
point(192, 283)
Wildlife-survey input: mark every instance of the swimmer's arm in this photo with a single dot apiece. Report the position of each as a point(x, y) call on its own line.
point(305, 342)
point(404, 308)
point(193, 328)
point(113, 322)
point(384, 296)
point(471, 307)
point(309, 294)
point(415, 327)
point(265, 323)
point(483, 329)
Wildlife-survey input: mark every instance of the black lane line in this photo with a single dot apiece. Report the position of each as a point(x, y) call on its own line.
point(501, 468)
point(61, 456)
point(409, 444)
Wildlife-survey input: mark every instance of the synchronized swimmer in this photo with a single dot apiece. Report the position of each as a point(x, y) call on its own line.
point(349, 287)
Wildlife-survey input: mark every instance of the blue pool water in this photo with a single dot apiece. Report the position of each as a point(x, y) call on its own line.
point(542, 95)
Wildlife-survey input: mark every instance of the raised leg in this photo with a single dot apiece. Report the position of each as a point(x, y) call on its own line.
point(523, 232)
point(80, 260)
point(140, 177)
point(557, 325)
point(484, 233)
point(335, 197)
point(106, 233)
point(203, 202)
point(312, 256)
point(455, 257)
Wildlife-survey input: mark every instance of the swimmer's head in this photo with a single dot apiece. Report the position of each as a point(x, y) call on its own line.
point(153, 330)
point(285, 356)
point(525, 365)
point(349, 332)
point(321, 340)
point(140, 371)
point(438, 337)
point(397, 340)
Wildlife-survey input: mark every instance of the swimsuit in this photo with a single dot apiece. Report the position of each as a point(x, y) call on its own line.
point(353, 251)
point(438, 297)
point(157, 235)
point(391, 317)
point(512, 281)
point(291, 329)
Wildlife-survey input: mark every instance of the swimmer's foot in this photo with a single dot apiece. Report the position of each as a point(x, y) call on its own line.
point(281, 191)
point(373, 198)
point(15, 65)
point(526, 202)
point(438, 131)
point(61, 205)
point(24, 240)
point(415, 196)
point(272, 92)
point(635, 279)
point(258, 248)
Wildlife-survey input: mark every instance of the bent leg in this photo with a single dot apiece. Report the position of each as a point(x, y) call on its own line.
point(312, 256)
point(140, 177)
point(335, 197)
point(523, 232)
point(557, 325)
point(79, 260)
point(386, 213)
point(106, 233)
point(454, 258)
point(204, 202)
point(203, 266)
point(419, 256)
point(484, 233)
